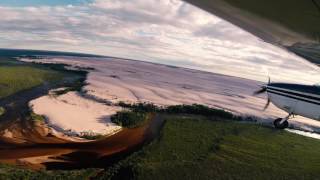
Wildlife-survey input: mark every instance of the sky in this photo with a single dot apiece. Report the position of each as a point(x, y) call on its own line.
point(21, 3)
point(162, 31)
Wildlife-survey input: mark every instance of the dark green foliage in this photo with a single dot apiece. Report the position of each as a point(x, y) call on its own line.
point(192, 147)
point(91, 136)
point(198, 109)
point(2, 110)
point(141, 107)
point(129, 119)
point(195, 109)
point(36, 117)
point(12, 172)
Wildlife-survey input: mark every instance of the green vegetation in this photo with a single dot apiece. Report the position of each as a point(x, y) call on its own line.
point(194, 146)
point(197, 147)
point(36, 117)
point(195, 109)
point(2, 110)
point(91, 135)
point(140, 111)
point(12, 172)
point(130, 119)
point(141, 107)
point(17, 78)
point(198, 109)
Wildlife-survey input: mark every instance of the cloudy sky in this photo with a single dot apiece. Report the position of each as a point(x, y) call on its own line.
point(163, 31)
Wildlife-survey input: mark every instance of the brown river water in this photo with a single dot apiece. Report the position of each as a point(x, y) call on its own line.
point(50, 152)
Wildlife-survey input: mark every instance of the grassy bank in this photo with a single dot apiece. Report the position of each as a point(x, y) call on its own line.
point(199, 147)
point(17, 78)
point(195, 147)
point(12, 172)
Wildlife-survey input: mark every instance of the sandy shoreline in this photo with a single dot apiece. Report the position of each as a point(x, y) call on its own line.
point(115, 80)
point(81, 154)
point(74, 115)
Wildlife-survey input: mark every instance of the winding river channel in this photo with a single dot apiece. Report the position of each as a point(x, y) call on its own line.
point(52, 152)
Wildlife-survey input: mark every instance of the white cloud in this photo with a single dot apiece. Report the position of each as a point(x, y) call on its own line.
point(164, 31)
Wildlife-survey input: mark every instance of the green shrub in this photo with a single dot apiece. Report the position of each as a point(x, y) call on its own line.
point(198, 109)
point(195, 109)
point(2, 110)
point(129, 119)
point(36, 117)
point(91, 135)
point(141, 107)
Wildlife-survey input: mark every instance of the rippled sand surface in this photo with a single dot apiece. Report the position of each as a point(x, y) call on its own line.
point(117, 80)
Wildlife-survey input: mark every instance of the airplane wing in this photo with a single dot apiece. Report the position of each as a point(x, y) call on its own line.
point(293, 24)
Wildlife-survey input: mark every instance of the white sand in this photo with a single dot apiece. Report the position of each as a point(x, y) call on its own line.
point(134, 81)
point(74, 114)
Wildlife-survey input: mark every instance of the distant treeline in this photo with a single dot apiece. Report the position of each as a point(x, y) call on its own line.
point(26, 52)
point(196, 109)
point(75, 85)
point(138, 113)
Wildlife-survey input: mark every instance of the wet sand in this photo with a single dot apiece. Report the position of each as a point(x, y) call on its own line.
point(73, 155)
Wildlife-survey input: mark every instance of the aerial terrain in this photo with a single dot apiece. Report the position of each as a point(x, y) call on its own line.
point(112, 118)
point(156, 89)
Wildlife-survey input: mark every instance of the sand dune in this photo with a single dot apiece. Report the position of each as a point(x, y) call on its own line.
point(75, 115)
point(134, 81)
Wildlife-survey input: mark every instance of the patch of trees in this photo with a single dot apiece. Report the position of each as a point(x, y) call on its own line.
point(130, 119)
point(136, 114)
point(198, 109)
point(36, 117)
point(193, 109)
point(141, 107)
